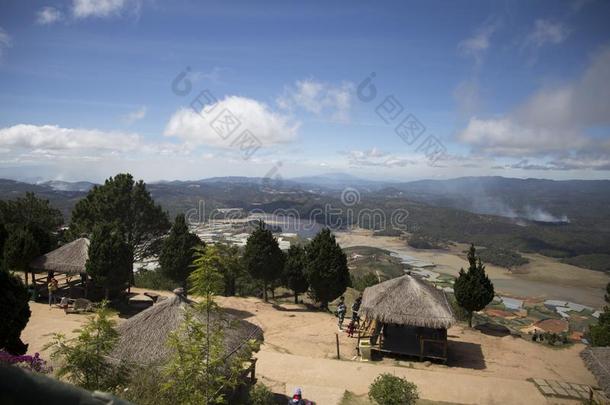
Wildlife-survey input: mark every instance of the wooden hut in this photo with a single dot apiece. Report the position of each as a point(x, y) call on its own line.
point(69, 260)
point(143, 337)
point(406, 315)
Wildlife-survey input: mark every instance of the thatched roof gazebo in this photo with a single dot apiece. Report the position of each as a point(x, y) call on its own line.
point(407, 315)
point(143, 337)
point(69, 258)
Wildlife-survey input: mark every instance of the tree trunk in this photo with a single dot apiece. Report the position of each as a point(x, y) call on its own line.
point(265, 292)
point(296, 298)
point(26, 278)
point(470, 319)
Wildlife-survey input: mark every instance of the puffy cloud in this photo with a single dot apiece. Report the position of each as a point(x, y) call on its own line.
point(547, 32)
point(48, 15)
point(102, 8)
point(319, 98)
point(553, 122)
point(376, 157)
point(5, 42)
point(134, 116)
point(268, 126)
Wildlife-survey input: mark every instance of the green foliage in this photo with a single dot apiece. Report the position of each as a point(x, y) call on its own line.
point(460, 313)
point(326, 268)
point(600, 333)
point(177, 251)
point(127, 203)
point(599, 262)
point(502, 257)
point(419, 241)
point(110, 260)
point(261, 395)
point(200, 372)
point(83, 360)
point(367, 280)
point(154, 280)
point(294, 271)
point(231, 267)
point(19, 250)
point(14, 312)
point(263, 258)
point(473, 289)
point(34, 215)
point(205, 279)
point(388, 389)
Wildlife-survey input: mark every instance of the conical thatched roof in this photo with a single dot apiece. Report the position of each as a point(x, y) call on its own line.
point(143, 337)
point(70, 258)
point(409, 301)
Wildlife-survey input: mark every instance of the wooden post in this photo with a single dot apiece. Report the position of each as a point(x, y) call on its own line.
point(421, 349)
point(337, 340)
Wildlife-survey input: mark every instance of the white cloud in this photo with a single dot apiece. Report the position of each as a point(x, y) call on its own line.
point(547, 32)
point(553, 122)
point(268, 126)
point(478, 44)
point(134, 116)
point(52, 139)
point(319, 98)
point(48, 15)
point(5, 42)
point(376, 157)
point(102, 8)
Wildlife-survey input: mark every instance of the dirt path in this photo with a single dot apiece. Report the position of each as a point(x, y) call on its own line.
point(299, 350)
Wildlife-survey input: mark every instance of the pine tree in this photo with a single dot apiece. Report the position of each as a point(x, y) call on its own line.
point(14, 312)
point(19, 250)
point(128, 205)
point(110, 260)
point(263, 257)
point(177, 251)
point(600, 333)
point(473, 289)
point(326, 268)
point(294, 271)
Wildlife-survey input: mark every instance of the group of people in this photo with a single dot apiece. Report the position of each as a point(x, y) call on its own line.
point(342, 310)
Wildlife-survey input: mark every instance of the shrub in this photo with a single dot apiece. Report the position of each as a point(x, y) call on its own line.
point(154, 280)
point(367, 280)
point(31, 363)
point(261, 395)
point(388, 389)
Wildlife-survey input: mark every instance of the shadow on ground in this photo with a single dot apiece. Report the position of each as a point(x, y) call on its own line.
point(465, 355)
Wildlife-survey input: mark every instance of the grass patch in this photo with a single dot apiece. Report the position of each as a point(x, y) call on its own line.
point(349, 398)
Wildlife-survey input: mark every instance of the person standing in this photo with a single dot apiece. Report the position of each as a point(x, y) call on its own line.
point(53, 287)
point(341, 310)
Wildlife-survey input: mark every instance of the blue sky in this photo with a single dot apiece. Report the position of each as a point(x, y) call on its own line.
point(518, 89)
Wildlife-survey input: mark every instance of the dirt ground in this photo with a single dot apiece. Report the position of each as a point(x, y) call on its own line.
point(300, 350)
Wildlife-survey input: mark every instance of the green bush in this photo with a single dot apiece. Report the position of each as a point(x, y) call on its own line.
point(367, 280)
point(153, 280)
point(502, 257)
point(261, 395)
point(388, 389)
point(460, 313)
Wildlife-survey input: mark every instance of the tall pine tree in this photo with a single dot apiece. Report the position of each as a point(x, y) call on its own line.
point(326, 268)
point(473, 289)
point(128, 205)
point(294, 271)
point(263, 258)
point(177, 252)
point(110, 259)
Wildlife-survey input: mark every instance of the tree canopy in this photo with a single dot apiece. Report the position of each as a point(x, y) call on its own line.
point(19, 250)
point(263, 257)
point(177, 251)
point(14, 312)
point(326, 268)
point(110, 259)
point(473, 289)
point(128, 204)
point(294, 271)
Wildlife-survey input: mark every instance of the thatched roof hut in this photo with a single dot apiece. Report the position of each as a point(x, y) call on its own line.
point(407, 301)
point(70, 258)
point(143, 337)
